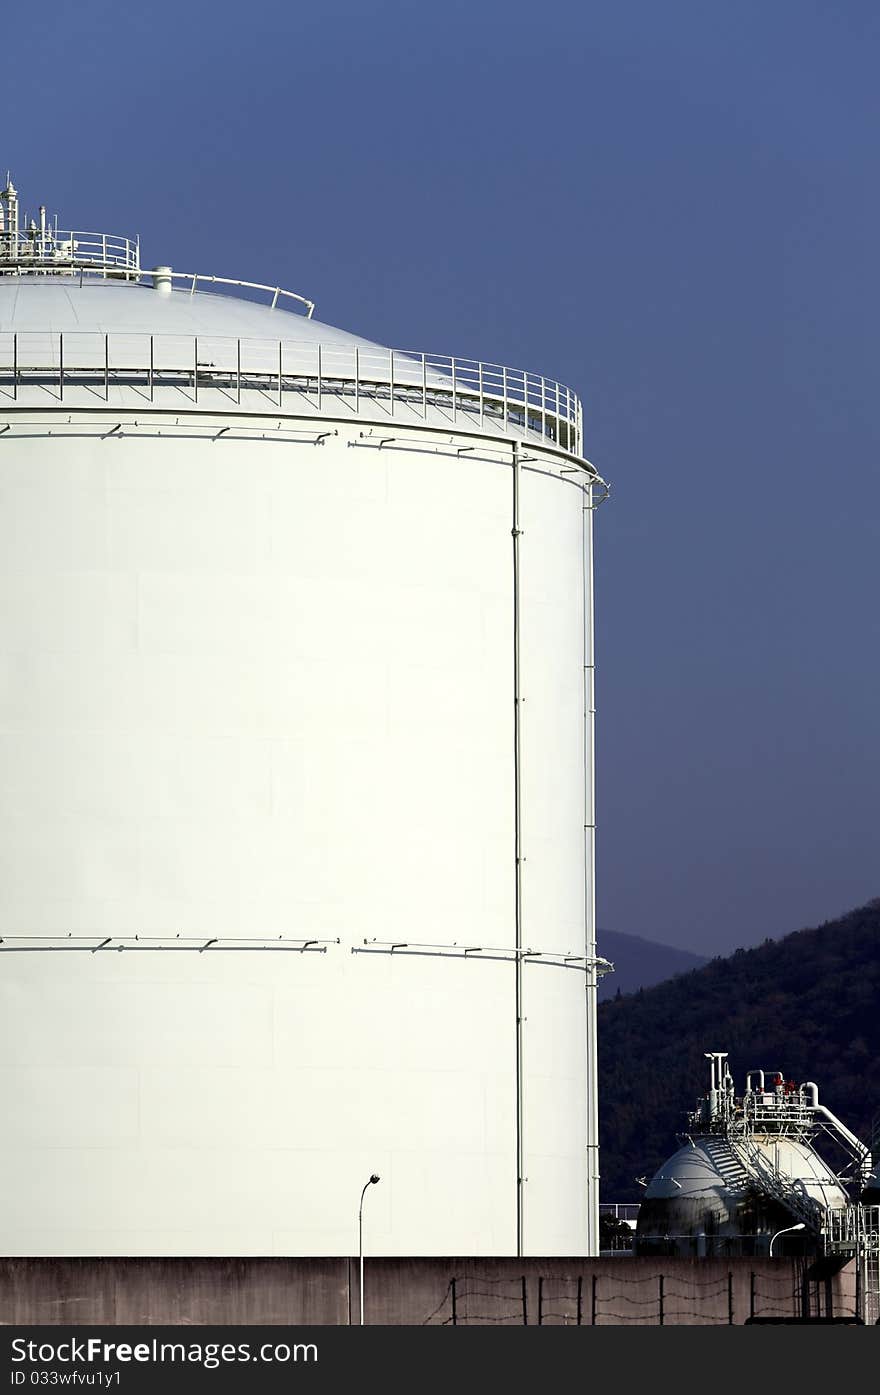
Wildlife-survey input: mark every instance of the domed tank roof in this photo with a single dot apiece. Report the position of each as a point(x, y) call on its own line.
point(35, 304)
point(706, 1167)
point(713, 1166)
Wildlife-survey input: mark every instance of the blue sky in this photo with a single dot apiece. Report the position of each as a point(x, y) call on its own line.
point(671, 206)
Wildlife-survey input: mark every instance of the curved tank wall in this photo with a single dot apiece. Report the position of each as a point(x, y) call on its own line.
point(259, 688)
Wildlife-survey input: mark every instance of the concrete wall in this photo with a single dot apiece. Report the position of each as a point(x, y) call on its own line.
point(412, 1291)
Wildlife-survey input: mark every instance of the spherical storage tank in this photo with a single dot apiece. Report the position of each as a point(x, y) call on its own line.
point(706, 1200)
point(296, 778)
point(749, 1172)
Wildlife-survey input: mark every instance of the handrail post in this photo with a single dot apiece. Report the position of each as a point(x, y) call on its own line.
point(15, 367)
point(152, 368)
point(280, 353)
point(357, 379)
point(106, 367)
point(425, 386)
point(238, 370)
point(61, 365)
point(504, 395)
point(482, 395)
point(320, 394)
point(454, 412)
point(391, 378)
point(196, 369)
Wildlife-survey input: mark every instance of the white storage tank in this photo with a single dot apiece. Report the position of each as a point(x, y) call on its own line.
point(296, 875)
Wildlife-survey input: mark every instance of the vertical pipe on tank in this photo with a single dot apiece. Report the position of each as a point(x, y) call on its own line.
point(590, 978)
point(517, 839)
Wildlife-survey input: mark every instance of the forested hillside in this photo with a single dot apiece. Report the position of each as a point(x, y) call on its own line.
point(808, 1005)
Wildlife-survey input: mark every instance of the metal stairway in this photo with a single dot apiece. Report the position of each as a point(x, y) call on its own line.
point(784, 1189)
point(729, 1164)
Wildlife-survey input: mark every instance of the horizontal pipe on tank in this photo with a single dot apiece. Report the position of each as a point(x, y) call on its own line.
point(192, 420)
point(557, 958)
point(133, 943)
point(49, 944)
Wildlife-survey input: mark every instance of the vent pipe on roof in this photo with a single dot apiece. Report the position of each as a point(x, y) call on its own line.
point(162, 279)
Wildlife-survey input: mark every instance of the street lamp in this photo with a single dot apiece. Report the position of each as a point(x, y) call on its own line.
point(800, 1226)
point(370, 1182)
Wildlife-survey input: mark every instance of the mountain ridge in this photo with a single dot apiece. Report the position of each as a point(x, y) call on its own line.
point(640, 963)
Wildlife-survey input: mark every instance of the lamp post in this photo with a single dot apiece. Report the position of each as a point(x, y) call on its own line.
point(371, 1180)
point(800, 1226)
